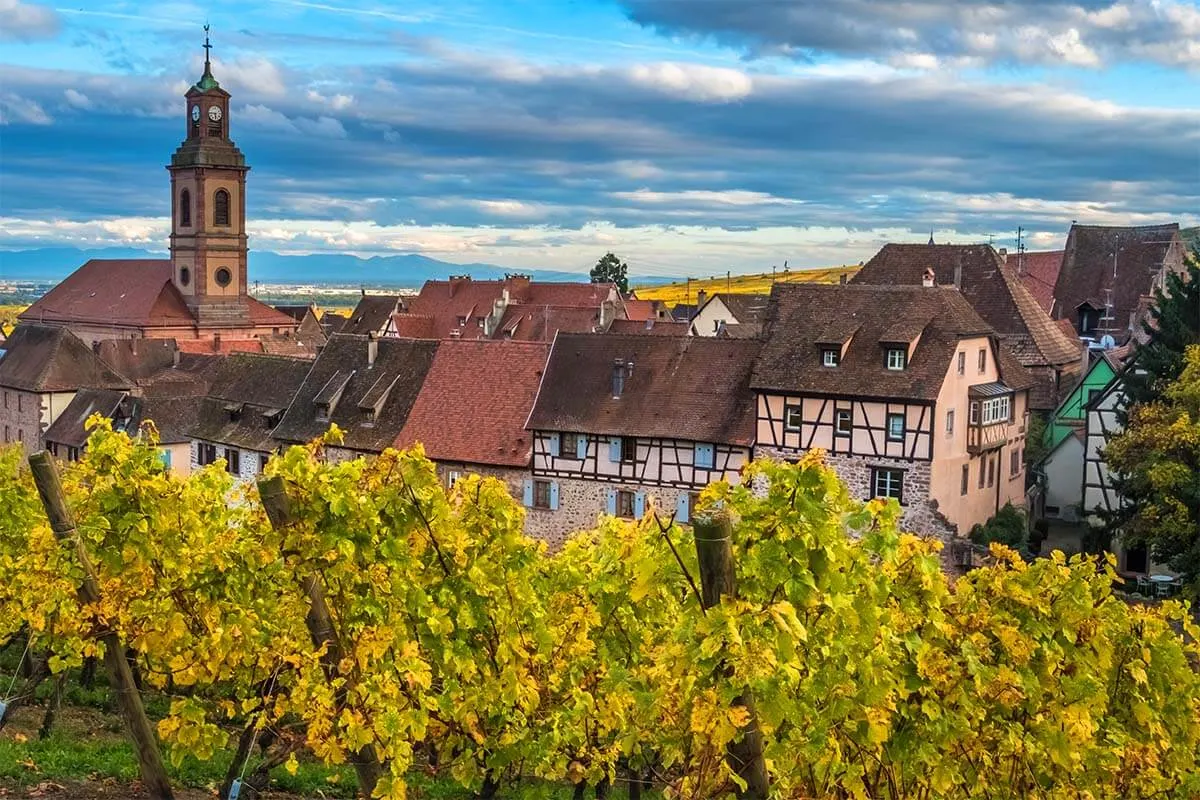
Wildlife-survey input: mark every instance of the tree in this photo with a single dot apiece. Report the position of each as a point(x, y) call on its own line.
point(1173, 327)
point(611, 269)
point(1156, 469)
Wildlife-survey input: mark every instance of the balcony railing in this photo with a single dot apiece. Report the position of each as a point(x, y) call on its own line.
point(982, 438)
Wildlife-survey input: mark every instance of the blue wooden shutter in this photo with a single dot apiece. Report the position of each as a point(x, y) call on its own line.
point(528, 494)
point(581, 447)
point(611, 506)
point(682, 504)
point(165, 457)
point(554, 440)
point(639, 505)
point(614, 449)
point(705, 457)
point(554, 496)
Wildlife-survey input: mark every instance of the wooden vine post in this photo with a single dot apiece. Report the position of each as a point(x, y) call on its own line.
point(154, 775)
point(714, 553)
point(319, 621)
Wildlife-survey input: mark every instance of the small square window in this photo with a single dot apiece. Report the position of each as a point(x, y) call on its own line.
point(792, 417)
point(896, 358)
point(983, 360)
point(888, 483)
point(950, 421)
point(625, 504)
point(829, 357)
point(962, 363)
point(628, 449)
point(844, 422)
point(541, 494)
point(1014, 462)
point(895, 427)
point(569, 445)
point(462, 321)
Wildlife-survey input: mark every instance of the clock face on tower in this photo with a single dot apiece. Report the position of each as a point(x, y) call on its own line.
point(195, 113)
point(214, 113)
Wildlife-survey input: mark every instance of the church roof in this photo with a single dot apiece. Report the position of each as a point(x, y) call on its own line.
point(114, 291)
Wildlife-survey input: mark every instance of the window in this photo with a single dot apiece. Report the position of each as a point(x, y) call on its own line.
point(233, 461)
point(996, 410)
point(1088, 317)
point(983, 359)
point(991, 472)
point(628, 448)
point(625, 504)
point(221, 208)
point(843, 422)
point(452, 478)
point(185, 209)
point(888, 483)
point(462, 322)
point(1014, 461)
point(207, 454)
point(829, 357)
point(1092, 394)
point(895, 427)
point(704, 456)
point(962, 363)
point(974, 412)
point(966, 478)
point(950, 421)
point(541, 494)
point(792, 417)
point(223, 277)
point(322, 412)
point(185, 276)
point(263, 458)
point(569, 445)
point(896, 358)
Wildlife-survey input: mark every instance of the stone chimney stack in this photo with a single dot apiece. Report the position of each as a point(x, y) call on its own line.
point(1003, 255)
point(701, 296)
point(372, 349)
point(958, 277)
point(621, 372)
point(928, 278)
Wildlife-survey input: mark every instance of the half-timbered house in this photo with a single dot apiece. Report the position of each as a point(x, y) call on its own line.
point(623, 424)
point(906, 389)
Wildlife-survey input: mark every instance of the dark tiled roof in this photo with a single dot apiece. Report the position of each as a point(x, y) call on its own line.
point(137, 358)
point(801, 316)
point(297, 312)
point(120, 407)
point(405, 360)
point(43, 358)
point(989, 285)
point(371, 314)
point(247, 398)
point(745, 308)
point(649, 327)
point(1038, 271)
point(332, 322)
point(1087, 271)
point(684, 387)
point(172, 415)
point(683, 312)
point(474, 402)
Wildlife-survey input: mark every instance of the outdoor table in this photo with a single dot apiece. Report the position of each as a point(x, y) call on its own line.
point(1163, 584)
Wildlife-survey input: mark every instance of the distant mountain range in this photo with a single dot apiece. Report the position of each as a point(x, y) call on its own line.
point(402, 271)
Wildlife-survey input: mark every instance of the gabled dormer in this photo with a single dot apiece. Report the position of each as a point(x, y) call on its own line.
point(327, 399)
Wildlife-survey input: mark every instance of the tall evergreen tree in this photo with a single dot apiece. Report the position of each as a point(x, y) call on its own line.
point(1174, 325)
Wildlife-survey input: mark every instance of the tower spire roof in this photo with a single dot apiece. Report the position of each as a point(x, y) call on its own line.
point(207, 81)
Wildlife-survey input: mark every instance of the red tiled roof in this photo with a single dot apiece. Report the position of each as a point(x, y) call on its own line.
point(220, 346)
point(127, 291)
point(474, 402)
point(649, 327)
point(541, 323)
point(639, 309)
point(1038, 271)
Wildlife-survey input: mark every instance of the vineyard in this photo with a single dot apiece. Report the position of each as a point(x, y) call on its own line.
point(687, 291)
point(792, 644)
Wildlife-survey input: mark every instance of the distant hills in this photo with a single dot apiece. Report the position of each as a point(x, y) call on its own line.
point(409, 270)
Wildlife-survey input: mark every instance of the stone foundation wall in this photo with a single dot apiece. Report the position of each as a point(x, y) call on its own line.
point(21, 419)
point(580, 504)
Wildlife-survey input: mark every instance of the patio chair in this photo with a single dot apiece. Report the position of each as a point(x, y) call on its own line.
point(1144, 586)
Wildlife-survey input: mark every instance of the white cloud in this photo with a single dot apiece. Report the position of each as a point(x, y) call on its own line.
point(704, 197)
point(21, 21)
point(693, 81)
point(77, 99)
point(16, 109)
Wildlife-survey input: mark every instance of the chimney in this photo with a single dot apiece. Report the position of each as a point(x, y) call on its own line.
point(842, 279)
point(958, 277)
point(621, 372)
point(175, 357)
point(517, 285)
point(1003, 255)
point(701, 296)
point(607, 313)
point(372, 349)
point(928, 278)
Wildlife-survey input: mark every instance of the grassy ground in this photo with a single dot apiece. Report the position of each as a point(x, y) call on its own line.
point(760, 283)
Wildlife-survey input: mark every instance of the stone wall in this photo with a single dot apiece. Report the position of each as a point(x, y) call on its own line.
point(248, 460)
point(21, 418)
point(580, 504)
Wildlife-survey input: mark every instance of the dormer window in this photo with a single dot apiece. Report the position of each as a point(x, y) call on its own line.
point(830, 357)
point(322, 412)
point(897, 358)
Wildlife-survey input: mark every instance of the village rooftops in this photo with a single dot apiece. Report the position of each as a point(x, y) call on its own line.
point(371, 314)
point(685, 387)
point(46, 359)
point(1039, 272)
point(246, 399)
point(474, 402)
point(861, 323)
point(365, 386)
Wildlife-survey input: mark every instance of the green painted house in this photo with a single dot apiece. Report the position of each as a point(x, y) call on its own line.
point(1071, 413)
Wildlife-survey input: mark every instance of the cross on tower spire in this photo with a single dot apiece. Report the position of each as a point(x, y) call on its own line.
point(207, 48)
point(207, 81)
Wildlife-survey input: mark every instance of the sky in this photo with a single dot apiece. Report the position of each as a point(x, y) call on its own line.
point(690, 137)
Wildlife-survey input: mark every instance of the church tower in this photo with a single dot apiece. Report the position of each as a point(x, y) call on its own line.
point(208, 207)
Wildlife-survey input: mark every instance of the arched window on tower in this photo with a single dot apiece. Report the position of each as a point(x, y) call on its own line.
point(185, 209)
point(221, 208)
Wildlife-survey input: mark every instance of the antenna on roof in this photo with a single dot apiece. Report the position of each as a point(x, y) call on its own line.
point(1020, 251)
point(931, 235)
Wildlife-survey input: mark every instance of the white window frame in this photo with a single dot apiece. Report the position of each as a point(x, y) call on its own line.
point(884, 481)
point(788, 410)
point(837, 422)
point(996, 410)
point(897, 358)
point(829, 357)
point(888, 423)
point(950, 421)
